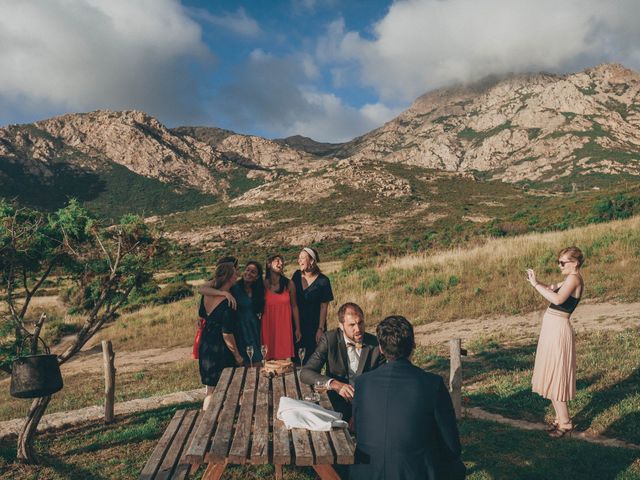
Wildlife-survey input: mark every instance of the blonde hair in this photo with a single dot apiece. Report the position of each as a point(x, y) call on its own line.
point(574, 253)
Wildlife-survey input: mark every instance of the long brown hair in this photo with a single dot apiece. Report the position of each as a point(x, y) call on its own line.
point(224, 272)
point(284, 281)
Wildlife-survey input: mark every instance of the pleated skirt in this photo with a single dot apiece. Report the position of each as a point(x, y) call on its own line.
point(554, 371)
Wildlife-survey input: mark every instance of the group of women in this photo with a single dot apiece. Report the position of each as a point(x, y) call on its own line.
point(250, 318)
point(271, 316)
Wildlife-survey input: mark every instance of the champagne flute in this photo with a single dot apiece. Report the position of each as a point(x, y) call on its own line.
point(263, 350)
point(301, 352)
point(250, 354)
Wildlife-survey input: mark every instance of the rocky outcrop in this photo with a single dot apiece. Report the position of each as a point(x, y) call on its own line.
point(252, 151)
point(141, 144)
point(525, 127)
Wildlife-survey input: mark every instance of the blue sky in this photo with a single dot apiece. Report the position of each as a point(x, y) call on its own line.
point(327, 69)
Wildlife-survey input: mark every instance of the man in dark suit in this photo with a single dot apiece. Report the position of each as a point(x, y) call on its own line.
point(347, 352)
point(404, 420)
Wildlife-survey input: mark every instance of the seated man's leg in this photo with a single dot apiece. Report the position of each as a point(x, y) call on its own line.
point(340, 405)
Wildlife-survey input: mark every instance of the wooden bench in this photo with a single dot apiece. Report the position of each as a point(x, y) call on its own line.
point(168, 459)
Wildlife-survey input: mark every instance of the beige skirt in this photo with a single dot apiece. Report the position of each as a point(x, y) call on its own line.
point(554, 372)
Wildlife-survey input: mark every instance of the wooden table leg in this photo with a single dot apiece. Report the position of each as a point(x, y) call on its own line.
point(278, 472)
point(214, 471)
point(326, 472)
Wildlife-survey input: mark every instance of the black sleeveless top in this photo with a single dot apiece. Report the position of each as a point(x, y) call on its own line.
point(568, 306)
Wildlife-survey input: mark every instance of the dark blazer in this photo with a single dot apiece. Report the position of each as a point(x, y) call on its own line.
point(405, 426)
point(332, 352)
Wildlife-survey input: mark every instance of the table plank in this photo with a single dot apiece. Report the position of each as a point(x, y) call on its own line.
point(170, 461)
point(222, 437)
point(260, 439)
point(281, 449)
point(242, 436)
point(301, 443)
point(158, 454)
point(184, 467)
point(321, 441)
point(340, 438)
point(200, 442)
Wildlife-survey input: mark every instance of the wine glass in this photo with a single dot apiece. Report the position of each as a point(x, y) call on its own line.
point(263, 350)
point(250, 354)
point(301, 352)
point(320, 386)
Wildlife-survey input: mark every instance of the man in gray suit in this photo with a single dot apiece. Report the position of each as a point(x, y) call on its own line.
point(347, 352)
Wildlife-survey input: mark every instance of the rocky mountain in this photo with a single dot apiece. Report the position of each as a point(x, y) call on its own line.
point(525, 127)
point(94, 156)
point(546, 130)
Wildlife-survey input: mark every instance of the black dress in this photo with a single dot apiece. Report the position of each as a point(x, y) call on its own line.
point(309, 301)
point(214, 354)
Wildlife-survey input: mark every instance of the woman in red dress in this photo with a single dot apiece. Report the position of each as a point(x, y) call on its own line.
point(279, 309)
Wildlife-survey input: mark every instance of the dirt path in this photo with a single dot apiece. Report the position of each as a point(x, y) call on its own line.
point(91, 361)
point(600, 316)
point(587, 317)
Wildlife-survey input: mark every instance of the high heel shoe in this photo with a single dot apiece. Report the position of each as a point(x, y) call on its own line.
point(562, 432)
point(553, 427)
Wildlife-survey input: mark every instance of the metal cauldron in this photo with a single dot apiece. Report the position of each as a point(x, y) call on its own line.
point(35, 376)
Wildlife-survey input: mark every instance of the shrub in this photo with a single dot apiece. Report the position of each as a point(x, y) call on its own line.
point(370, 278)
point(174, 292)
point(56, 328)
point(616, 208)
point(436, 286)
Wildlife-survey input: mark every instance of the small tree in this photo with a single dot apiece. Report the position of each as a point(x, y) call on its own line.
point(107, 262)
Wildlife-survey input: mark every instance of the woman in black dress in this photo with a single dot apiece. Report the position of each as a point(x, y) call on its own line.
point(218, 348)
point(313, 292)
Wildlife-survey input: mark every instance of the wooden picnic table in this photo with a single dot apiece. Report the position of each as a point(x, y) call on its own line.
point(240, 427)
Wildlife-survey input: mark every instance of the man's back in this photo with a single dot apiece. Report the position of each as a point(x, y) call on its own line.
point(405, 425)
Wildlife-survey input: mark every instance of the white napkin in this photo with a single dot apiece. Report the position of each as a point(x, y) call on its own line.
point(308, 415)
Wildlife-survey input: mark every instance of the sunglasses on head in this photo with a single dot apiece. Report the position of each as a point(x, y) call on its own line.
point(562, 263)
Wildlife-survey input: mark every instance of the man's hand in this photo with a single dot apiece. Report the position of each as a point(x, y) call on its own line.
point(345, 390)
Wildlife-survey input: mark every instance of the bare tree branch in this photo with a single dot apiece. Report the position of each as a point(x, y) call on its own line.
point(36, 333)
point(28, 298)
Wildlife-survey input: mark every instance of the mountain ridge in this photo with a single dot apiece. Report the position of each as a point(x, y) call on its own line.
point(539, 129)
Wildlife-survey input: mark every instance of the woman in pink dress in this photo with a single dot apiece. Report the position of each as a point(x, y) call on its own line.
point(554, 371)
point(279, 309)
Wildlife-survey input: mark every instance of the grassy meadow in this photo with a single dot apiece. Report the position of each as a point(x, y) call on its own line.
point(490, 279)
point(481, 281)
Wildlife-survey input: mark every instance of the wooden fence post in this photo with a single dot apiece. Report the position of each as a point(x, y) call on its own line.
point(455, 375)
point(108, 360)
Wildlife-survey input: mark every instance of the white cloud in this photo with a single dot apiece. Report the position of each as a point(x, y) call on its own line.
point(86, 54)
point(238, 22)
point(424, 44)
point(278, 96)
point(333, 121)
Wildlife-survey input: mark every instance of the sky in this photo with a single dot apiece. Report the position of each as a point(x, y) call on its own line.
point(327, 69)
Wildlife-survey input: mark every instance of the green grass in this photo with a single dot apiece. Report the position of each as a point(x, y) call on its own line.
point(494, 451)
point(85, 390)
point(497, 378)
point(490, 451)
